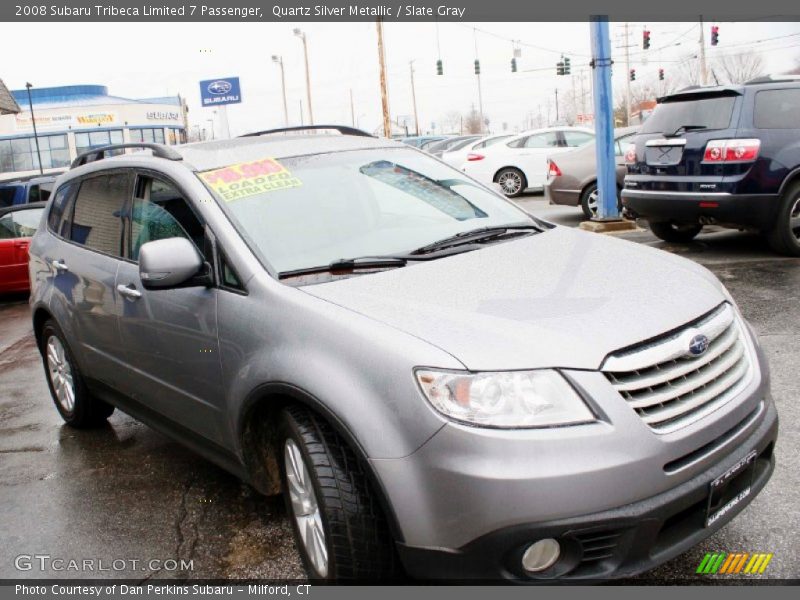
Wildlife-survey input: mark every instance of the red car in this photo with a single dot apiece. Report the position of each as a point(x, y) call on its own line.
point(17, 226)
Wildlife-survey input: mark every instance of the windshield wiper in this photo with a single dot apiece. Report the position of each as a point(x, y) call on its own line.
point(473, 235)
point(683, 128)
point(350, 264)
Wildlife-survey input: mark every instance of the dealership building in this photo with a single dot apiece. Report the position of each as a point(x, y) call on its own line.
point(76, 118)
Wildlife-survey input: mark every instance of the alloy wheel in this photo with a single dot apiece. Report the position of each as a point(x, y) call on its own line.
point(60, 372)
point(306, 508)
point(794, 219)
point(510, 182)
point(592, 202)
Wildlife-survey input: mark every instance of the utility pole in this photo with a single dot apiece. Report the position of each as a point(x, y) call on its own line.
point(387, 122)
point(574, 100)
point(703, 65)
point(414, 98)
point(279, 61)
point(35, 133)
point(556, 105)
point(478, 75)
point(302, 36)
point(301, 114)
point(583, 94)
point(627, 78)
point(352, 109)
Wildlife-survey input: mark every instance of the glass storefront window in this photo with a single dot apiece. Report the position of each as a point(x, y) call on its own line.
point(86, 141)
point(19, 154)
point(148, 135)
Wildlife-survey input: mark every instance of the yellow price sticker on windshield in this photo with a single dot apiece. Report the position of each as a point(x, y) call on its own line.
point(249, 179)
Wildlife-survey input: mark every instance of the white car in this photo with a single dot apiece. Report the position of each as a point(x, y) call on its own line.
point(458, 157)
point(521, 162)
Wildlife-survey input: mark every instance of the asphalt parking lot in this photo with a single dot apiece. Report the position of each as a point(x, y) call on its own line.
point(125, 491)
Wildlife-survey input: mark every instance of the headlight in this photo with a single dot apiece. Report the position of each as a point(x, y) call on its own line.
point(504, 399)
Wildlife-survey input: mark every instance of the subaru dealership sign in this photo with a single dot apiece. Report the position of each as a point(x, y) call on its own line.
point(216, 92)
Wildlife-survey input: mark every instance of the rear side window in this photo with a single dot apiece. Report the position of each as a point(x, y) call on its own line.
point(97, 217)
point(777, 109)
point(7, 194)
point(542, 140)
point(574, 139)
point(58, 218)
point(20, 223)
point(705, 112)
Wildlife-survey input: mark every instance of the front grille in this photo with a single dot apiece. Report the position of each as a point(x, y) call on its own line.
point(668, 388)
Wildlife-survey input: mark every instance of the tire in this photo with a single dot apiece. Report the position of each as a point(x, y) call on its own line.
point(344, 508)
point(512, 181)
point(784, 237)
point(679, 233)
point(589, 200)
point(76, 406)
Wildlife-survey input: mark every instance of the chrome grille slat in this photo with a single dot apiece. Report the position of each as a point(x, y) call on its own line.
point(668, 388)
point(664, 372)
point(703, 374)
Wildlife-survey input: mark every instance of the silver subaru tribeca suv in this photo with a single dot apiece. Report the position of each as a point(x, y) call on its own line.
point(441, 385)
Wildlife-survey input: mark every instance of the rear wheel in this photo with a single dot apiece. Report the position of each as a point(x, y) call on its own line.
point(589, 199)
point(784, 237)
point(679, 233)
point(72, 399)
point(339, 527)
point(512, 181)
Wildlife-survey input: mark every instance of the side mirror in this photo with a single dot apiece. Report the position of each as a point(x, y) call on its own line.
point(168, 263)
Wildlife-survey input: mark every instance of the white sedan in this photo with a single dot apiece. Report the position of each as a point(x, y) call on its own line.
point(520, 163)
point(459, 156)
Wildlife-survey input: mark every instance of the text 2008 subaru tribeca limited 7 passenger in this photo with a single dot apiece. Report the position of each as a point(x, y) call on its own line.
point(441, 385)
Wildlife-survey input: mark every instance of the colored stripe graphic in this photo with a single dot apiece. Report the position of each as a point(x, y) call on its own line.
point(718, 562)
point(728, 562)
point(741, 562)
point(765, 563)
point(703, 563)
point(723, 563)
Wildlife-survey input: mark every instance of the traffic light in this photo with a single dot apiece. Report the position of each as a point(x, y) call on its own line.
point(646, 39)
point(560, 67)
point(661, 74)
point(513, 65)
point(714, 35)
point(566, 66)
point(633, 74)
point(477, 67)
point(439, 67)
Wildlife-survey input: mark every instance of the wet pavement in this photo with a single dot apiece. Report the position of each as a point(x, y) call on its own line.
point(128, 492)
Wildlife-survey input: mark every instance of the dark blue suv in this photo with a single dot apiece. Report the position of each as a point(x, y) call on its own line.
point(726, 155)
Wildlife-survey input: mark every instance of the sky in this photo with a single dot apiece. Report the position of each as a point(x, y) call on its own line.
point(139, 60)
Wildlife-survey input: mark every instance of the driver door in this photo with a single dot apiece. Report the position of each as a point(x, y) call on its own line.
point(169, 336)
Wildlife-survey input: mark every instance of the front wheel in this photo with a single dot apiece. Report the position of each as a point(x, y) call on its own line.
point(339, 527)
point(76, 406)
point(679, 233)
point(784, 237)
point(512, 182)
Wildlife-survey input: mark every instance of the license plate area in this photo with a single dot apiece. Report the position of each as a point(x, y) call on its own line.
point(663, 156)
point(731, 488)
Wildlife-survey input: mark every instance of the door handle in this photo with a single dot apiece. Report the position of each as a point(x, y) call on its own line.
point(129, 292)
point(59, 265)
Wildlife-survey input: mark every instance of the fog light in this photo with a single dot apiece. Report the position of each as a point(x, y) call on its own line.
point(541, 555)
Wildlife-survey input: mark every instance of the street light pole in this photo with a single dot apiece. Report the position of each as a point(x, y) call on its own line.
point(35, 133)
point(211, 121)
point(278, 60)
point(478, 76)
point(387, 122)
point(414, 99)
point(302, 36)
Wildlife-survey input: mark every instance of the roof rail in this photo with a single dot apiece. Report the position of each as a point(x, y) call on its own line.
point(159, 150)
point(343, 129)
point(784, 77)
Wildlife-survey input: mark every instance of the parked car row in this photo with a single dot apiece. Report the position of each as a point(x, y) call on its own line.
point(17, 225)
point(27, 189)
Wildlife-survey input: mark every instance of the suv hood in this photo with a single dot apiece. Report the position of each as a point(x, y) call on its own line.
point(562, 298)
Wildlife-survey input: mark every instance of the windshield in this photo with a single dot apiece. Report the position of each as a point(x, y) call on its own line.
point(670, 116)
point(308, 211)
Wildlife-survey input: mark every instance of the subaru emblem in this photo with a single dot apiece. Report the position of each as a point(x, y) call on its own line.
point(698, 345)
point(219, 87)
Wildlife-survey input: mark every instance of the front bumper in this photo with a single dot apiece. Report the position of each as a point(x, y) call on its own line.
point(614, 543)
point(746, 210)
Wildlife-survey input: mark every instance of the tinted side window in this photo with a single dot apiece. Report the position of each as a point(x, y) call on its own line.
point(20, 224)
point(161, 212)
point(542, 140)
point(7, 229)
point(58, 218)
point(516, 143)
point(97, 217)
point(574, 139)
point(33, 194)
point(7, 195)
point(777, 109)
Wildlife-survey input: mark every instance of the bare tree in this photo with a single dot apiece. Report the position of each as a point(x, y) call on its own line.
point(738, 68)
point(451, 122)
point(472, 121)
point(796, 69)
